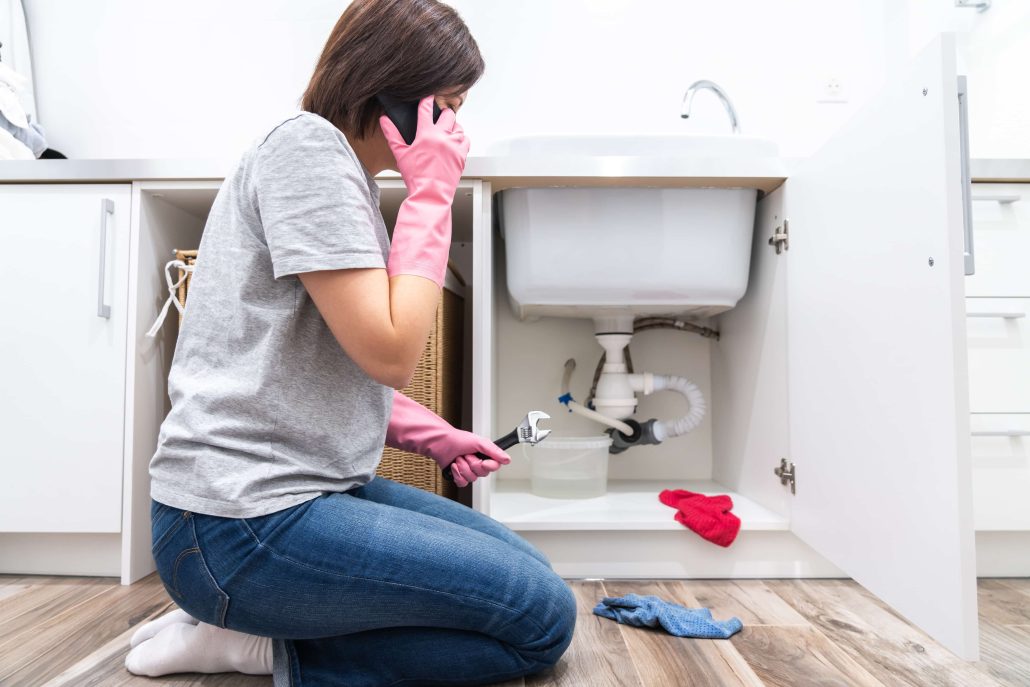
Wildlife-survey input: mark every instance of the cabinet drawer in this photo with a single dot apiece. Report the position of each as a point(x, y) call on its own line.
point(998, 335)
point(1001, 241)
point(1001, 471)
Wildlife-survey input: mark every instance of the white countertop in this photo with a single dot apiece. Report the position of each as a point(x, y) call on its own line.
point(503, 172)
point(1000, 169)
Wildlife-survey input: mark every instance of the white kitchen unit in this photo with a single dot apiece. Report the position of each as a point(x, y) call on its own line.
point(846, 357)
point(998, 329)
point(84, 389)
point(62, 373)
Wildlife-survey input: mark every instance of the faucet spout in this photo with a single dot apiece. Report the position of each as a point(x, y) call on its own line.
point(688, 100)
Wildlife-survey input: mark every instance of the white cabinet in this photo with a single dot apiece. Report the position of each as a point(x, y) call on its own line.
point(62, 356)
point(847, 357)
point(998, 334)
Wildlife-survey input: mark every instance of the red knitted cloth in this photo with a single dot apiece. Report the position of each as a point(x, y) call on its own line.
point(709, 516)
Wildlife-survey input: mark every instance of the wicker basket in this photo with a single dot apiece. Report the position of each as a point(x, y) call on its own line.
point(436, 385)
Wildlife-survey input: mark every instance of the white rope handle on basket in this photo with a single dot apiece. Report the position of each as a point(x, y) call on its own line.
point(172, 298)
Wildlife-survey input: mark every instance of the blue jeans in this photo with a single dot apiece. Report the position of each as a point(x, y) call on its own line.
point(384, 584)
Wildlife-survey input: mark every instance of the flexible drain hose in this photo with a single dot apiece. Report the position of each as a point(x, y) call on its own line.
point(648, 383)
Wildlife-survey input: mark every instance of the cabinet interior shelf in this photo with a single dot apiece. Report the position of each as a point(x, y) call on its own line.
point(628, 505)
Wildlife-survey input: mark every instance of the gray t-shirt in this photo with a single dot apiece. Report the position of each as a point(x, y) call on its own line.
point(268, 411)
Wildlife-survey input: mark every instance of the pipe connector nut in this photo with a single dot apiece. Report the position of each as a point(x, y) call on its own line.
point(643, 433)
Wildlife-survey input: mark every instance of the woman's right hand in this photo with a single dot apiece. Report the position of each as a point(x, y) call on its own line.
point(431, 168)
point(467, 469)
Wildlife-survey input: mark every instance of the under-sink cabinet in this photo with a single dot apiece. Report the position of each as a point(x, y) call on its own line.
point(846, 358)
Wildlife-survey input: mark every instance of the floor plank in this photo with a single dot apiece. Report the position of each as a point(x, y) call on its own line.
point(9, 590)
point(106, 664)
point(8, 578)
point(890, 649)
point(663, 660)
point(598, 655)
point(34, 603)
point(998, 604)
point(1020, 584)
point(75, 632)
point(799, 656)
point(750, 600)
point(1004, 649)
point(59, 641)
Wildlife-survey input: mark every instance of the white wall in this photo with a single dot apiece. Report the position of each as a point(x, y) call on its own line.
point(994, 53)
point(199, 78)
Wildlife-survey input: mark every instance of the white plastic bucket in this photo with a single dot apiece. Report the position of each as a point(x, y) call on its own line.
point(569, 467)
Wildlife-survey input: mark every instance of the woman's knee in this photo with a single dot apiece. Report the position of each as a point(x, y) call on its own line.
point(531, 550)
point(555, 613)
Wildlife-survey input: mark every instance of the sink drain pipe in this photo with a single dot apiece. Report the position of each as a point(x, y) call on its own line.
point(567, 400)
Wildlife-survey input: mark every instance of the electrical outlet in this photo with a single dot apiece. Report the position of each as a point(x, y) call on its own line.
point(831, 90)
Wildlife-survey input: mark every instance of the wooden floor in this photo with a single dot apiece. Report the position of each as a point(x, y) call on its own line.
point(74, 631)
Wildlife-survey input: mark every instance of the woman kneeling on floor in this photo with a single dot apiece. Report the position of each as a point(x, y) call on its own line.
point(284, 551)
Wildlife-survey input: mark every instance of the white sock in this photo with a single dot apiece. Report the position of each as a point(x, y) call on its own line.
point(201, 648)
point(148, 630)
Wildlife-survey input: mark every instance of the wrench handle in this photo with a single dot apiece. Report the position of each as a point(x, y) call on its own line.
point(504, 443)
point(508, 440)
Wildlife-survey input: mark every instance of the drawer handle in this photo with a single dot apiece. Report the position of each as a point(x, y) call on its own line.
point(1000, 198)
point(106, 210)
point(1002, 315)
point(1004, 433)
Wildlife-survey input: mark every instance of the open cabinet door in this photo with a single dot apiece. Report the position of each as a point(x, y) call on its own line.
point(879, 408)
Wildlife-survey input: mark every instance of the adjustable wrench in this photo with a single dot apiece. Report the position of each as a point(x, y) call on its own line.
point(526, 433)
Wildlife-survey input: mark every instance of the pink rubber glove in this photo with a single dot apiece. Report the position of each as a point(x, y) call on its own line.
point(415, 428)
point(431, 167)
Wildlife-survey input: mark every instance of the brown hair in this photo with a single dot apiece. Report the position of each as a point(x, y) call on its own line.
point(407, 48)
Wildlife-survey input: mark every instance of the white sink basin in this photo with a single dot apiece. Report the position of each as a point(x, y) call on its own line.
point(672, 145)
point(611, 252)
point(620, 251)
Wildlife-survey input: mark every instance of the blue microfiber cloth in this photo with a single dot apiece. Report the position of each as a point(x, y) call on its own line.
point(650, 611)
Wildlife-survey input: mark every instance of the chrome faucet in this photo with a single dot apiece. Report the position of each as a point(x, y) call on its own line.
point(688, 99)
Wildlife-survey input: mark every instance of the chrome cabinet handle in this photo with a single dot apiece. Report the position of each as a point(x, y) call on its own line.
point(967, 185)
point(1002, 315)
point(106, 210)
point(1003, 433)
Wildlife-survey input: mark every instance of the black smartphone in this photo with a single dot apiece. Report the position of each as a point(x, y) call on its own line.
point(404, 114)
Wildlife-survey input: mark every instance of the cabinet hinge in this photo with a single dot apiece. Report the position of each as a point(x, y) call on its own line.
point(781, 237)
point(786, 474)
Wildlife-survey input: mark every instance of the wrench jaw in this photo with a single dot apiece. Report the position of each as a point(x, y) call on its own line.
point(529, 431)
point(540, 436)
